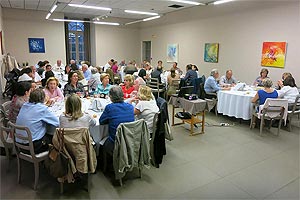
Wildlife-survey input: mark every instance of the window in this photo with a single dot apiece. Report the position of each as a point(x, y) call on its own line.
point(76, 41)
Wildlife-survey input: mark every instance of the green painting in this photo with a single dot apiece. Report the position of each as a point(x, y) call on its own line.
point(211, 52)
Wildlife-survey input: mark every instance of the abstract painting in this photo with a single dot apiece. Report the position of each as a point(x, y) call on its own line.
point(36, 45)
point(273, 54)
point(172, 53)
point(211, 52)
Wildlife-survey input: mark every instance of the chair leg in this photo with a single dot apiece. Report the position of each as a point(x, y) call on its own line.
point(120, 181)
point(290, 124)
point(36, 174)
point(279, 126)
point(104, 161)
point(19, 169)
point(61, 187)
point(261, 126)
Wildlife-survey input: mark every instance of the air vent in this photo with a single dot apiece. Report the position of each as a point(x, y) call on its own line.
point(175, 6)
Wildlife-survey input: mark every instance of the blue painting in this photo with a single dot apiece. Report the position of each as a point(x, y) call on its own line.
point(36, 45)
point(172, 53)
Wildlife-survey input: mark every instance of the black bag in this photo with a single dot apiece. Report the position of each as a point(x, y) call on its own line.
point(57, 162)
point(183, 115)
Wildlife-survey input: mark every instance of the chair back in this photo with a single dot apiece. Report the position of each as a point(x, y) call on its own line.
point(5, 107)
point(274, 108)
point(296, 105)
point(27, 138)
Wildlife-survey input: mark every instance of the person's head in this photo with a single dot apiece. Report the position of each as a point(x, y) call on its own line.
point(175, 65)
point(111, 61)
point(27, 71)
point(214, 73)
point(115, 62)
point(173, 73)
point(147, 66)
point(73, 77)
point(41, 64)
point(159, 63)
point(104, 78)
point(144, 93)
point(84, 67)
point(229, 74)
point(52, 83)
point(94, 70)
point(264, 72)
point(72, 62)
point(289, 81)
point(286, 74)
point(189, 67)
point(23, 88)
point(58, 62)
point(128, 80)
point(80, 75)
point(116, 94)
point(73, 107)
point(48, 67)
point(49, 74)
point(142, 73)
point(194, 67)
point(37, 96)
point(267, 83)
point(33, 69)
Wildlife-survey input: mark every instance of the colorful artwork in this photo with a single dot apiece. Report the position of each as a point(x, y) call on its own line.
point(36, 45)
point(211, 52)
point(172, 53)
point(273, 54)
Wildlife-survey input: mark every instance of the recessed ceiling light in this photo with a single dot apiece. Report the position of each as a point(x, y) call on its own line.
point(188, 2)
point(140, 12)
point(90, 7)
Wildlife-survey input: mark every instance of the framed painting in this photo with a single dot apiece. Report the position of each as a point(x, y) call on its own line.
point(273, 54)
point(172, 53)
point(211, 52)
point(36, 45)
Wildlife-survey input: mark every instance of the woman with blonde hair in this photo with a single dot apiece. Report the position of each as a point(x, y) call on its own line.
point(73, 116)
point(52, 92)
point(265, 93)
point(146, 106)
point(128, 87)
point(104, 86)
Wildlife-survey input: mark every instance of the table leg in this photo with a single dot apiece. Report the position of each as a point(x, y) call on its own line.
point(203, 121)
point(173, 116)
point(192, 125)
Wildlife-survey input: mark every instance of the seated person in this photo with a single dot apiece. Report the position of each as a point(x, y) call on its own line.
point(228, 79)
point(81, 78)
point(127, 87)
point(95, 79)
point(48, 68)
point(289, 90)
point(26, 74)
point(36, 77)
point(146, 106)
point(211, 85)
point(280, 82)
point(265, 93)
point(86, 72)
point(35, 115)
point(140, 80)
point(172, 88)
point(263, 74)
point(115, 113)
point(177, 69)
point(130, 68)
point(195, 68)
point(23, 90)
point(73, 117)
point(190, 75)
point(104, 86)
point(73, 86)
point(157, 72)
point(48, 74)
point(52, 92)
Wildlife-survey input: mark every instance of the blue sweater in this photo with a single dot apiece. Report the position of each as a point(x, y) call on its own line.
point(263, 95)
point(114, 114)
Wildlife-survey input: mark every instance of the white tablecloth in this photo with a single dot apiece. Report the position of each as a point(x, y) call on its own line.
point(236, 103)
point(98, 132)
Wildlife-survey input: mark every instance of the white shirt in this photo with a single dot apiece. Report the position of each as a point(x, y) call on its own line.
point(148, 110)
point(289, 93)
point(37, 77)
point(58, 68)
point(106, 66)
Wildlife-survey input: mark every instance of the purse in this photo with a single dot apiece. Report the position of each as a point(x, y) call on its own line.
point(57, 162)
point(168, 133)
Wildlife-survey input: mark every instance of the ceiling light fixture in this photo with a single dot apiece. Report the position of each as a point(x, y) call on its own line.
point(222, 1)
point(53, 8)
point(107, 23)
point(90, 7)
point(67, 20)
point(140, 12)
point(49, 14)
point(188, 2)
point(151, 18)
point(134, 22)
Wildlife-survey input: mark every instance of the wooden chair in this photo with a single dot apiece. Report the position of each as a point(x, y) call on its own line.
point(295, 111)
point(32, 157)
point(273, 109)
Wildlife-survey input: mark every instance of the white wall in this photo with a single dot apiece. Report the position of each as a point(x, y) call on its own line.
point(116, 42)
point(19, 25)
point(240, 35)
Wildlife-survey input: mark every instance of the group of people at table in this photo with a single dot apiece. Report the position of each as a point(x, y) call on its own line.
point(131, 99)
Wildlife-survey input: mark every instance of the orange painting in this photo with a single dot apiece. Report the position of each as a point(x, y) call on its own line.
point(273, 54)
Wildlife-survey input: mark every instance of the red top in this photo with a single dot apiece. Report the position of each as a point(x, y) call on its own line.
point(128, 91)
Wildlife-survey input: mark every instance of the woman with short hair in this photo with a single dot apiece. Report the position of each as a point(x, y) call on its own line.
point(265, 93)
point(263, 75)
point(73, 86)
point(73, 116)
point(52, 92)
point(146, 106)
point(104, 86)
point(127, 87)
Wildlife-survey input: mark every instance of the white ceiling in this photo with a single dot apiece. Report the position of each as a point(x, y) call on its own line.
point(118, 7)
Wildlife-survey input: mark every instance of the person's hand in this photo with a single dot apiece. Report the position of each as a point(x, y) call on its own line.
point(280, 83)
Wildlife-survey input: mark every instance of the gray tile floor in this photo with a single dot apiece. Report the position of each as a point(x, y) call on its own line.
point(224, 163)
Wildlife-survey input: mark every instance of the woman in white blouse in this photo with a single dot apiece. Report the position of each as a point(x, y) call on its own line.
point(289, 90)
point(146, 106)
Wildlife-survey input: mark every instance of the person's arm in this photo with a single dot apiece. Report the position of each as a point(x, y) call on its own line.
point(59, 94)
point(214, 85)
point(50, 118)
point(136, 111)
point(255, 98)
point(222, 80)
point(104, 119)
